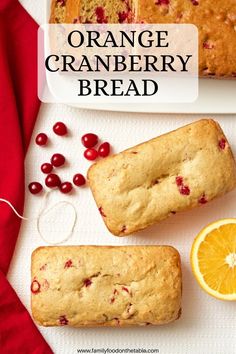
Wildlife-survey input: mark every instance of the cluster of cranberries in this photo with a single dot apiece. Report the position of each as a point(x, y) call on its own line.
point(90, 141)
point(52, 180)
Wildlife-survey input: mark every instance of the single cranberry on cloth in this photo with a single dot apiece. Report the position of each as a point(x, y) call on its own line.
point(18, 110)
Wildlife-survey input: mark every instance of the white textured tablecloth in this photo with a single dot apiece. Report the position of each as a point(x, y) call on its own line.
point(207, 325)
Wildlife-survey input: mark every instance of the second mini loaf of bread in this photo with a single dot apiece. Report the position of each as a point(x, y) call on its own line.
point(168, 174)
point(87, 286)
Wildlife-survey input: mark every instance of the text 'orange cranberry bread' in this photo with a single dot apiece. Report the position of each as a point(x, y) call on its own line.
point(91, 11)
point(89, 286)
point(216, 22)
point(168, 174)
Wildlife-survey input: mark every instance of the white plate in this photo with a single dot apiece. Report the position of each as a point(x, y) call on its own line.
point(215, 96)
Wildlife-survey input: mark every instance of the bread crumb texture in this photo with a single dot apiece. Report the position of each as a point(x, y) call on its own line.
point(93, 11)
point(105, 286)
point(175, 172)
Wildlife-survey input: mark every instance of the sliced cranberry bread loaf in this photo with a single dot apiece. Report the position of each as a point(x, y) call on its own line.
point(91, 11)
point(216, 22)
point(174, 172)
point(90, 286)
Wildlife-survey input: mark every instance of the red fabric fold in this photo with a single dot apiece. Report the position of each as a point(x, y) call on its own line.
point(19, 106)
point(18, 334)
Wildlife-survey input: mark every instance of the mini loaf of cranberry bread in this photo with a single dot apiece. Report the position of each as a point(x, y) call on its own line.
point(86, 286)
point(91, 11)
point(216, 22)
point(168, 174)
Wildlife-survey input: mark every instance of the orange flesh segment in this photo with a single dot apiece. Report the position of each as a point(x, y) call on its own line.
point(212, 253)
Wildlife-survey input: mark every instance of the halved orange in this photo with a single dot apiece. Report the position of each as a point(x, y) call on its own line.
point(213, 259)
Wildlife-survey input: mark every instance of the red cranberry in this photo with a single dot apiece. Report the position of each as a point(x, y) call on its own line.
point(195, 2)
point(63, 320)
point(57, 160)
point(79, 180)
point(35, 187)
point(66, 187)
point(179, 180)
point(101, 212)
point(104, 150)
point(112, 300)
point(68, 264)
point(162, 2)
point(87, 282)
point(35, 287)
point(122, 16)
point(222, 143)
point(184, 190)
point(100, 14)
point(89, 140)
point(41, 139)
point(60, 128)
point(46, 168)
point(125, 289)
point(207, 45)
point(90, 154)
point(52, 180)
point(61, 2)
point(202, 199)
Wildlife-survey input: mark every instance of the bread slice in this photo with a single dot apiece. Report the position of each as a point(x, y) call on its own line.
point(93, 11)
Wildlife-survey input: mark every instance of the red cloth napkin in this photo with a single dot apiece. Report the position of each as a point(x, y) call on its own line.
point(18, 110)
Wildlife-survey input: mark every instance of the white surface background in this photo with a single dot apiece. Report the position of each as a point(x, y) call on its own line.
point(207, 325)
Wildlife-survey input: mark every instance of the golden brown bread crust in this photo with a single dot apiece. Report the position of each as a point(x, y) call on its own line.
point(86, 286)
point(216, 22)
point(171, 173)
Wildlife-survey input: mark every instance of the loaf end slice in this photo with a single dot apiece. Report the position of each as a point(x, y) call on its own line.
point(92, 12)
